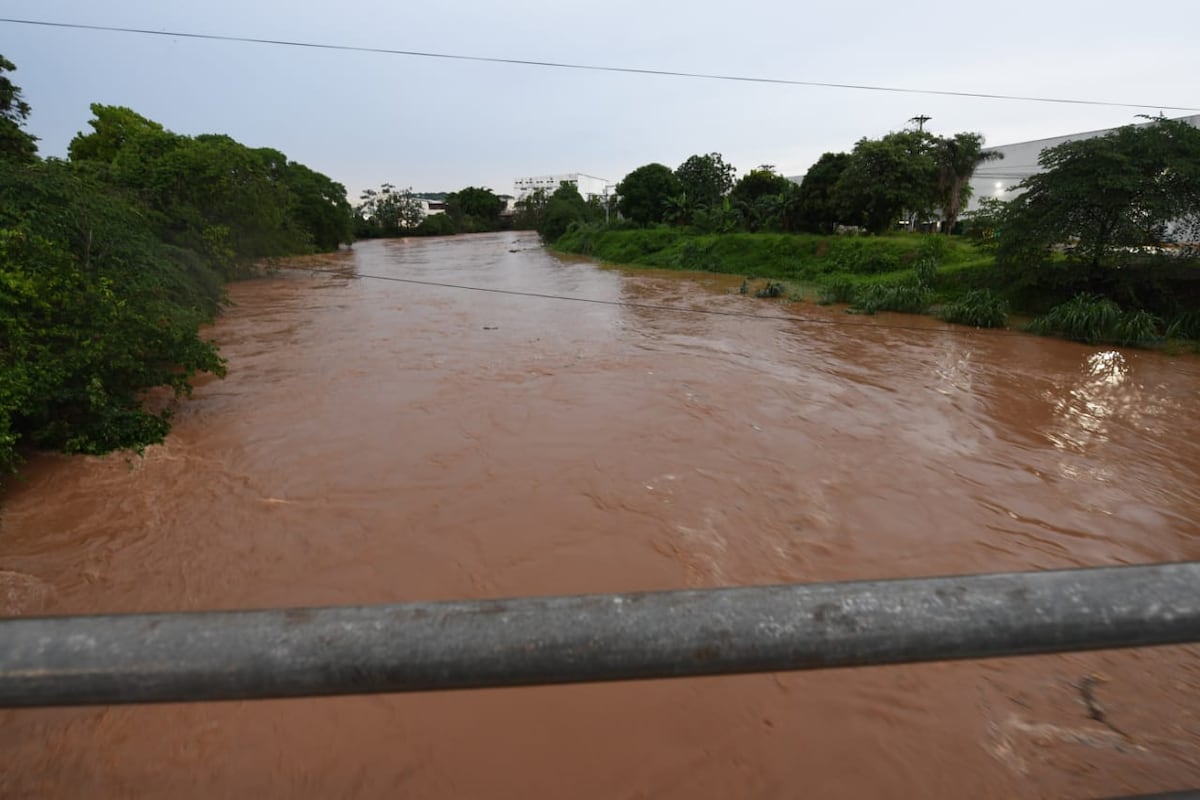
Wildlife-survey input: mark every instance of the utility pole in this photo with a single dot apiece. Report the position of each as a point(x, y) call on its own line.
point(920, 120)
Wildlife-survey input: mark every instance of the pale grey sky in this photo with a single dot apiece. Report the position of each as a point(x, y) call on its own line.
point(440, 125)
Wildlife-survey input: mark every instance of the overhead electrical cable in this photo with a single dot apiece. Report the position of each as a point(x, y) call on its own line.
point(591, 67)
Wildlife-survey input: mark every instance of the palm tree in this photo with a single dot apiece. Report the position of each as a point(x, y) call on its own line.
point(957, 157)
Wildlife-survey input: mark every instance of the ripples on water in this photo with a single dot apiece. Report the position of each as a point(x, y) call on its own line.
point(380, 442)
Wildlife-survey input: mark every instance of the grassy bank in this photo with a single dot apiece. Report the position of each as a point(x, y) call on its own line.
point(878, 271)
point(802, 258)
point(950, 278)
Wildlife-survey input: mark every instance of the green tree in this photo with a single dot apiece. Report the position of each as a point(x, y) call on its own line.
point(531, 209)
point(118, 130)
point(15, 143)
point(566, 206)
point(212, 194)
point(705, 178)
point(319, 205)
point(679, 210)
point(474, 209)
point(761, 197)
point(94, 310)
point(1110, 198)
point(645, 192)
point(957, 157)
point(814, 206)
point(887, 177)
point(387, 212)
point(758, 183)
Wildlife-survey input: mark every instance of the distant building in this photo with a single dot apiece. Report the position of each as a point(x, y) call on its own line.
point(996, 179)
point(588, 185)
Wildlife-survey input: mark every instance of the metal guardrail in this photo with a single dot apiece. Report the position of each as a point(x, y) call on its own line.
point(228, 655)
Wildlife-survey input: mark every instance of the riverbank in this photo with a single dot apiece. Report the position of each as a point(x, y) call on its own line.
point(951, 278)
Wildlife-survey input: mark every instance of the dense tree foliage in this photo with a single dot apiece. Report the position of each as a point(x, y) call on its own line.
point(887, 177)
point(762, 198)
point(1111, 199)
point(387, 212)
point(94, 309)
point(15, 144)
point(645, 192)
point(474, 209)
point(212, 194)
point(531, 210)
point(110, 262)
point(758, 183)
point(565, 206)
point(818, 209)
point(705, 179)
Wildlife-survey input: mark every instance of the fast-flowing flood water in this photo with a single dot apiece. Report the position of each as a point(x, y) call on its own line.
point(379, 442)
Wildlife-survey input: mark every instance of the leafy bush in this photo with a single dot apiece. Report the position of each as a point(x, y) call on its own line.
point(1137, 328)
point(980, 308)
point(1084, 318)
point(1185, 326)
point(837, 290)
point(925, 271)
point(905, 298)
point(436, 225)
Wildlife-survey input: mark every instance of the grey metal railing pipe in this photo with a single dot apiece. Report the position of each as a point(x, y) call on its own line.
point(142, 658)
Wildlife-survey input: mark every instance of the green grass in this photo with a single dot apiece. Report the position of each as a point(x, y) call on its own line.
point(796, 257)
point(1093, 319)
point(905, 298)
point(1084, 318)
point(837, 290)
point(1137, 328)
point(981, 308)
point(1185, 326)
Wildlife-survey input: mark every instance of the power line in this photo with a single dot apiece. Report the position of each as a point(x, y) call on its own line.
point(650, 306)
point(591, 67)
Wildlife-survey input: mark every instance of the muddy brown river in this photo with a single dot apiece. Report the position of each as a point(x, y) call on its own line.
point(379, 442)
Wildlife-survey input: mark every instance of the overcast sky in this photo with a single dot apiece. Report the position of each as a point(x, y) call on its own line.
point(436, 125)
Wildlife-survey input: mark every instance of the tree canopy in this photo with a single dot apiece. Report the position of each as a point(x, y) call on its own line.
point(474, 209)
point(817, 208)
point(213, 194)
point(886, 177)
point(15, 143)
point(1109, 198)
point(645, 193)
point(705, 179)
point(110, 263)
point(564, 207)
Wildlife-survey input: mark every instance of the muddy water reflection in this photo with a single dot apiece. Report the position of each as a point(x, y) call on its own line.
point(379, 442)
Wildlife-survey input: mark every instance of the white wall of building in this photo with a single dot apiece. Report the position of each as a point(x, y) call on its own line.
point(588, 185)
point(997, 178)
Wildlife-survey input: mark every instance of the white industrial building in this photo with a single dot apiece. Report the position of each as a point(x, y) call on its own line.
point(588, 185)
point(997, 179)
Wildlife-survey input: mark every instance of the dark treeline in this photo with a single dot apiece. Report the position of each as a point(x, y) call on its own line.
point(111, 260)
point(906, 174)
